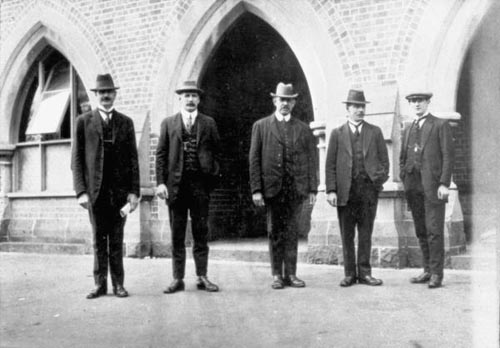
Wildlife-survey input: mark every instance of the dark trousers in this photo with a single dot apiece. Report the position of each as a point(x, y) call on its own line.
point(193, 195)
point(359, 211)
point(283, 213)
point(428, 218)
point(107, 228)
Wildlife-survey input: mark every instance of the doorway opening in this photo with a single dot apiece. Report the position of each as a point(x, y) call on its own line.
point(246, 65)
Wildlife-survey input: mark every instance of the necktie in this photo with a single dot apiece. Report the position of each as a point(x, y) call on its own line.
point(356, 133)
point(108, 114)
point(189, 123)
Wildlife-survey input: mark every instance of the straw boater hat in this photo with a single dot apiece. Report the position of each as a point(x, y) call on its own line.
point(356, 97)
point(189, 86)
point(104, 82)
point(419, 94)
point(284, 91)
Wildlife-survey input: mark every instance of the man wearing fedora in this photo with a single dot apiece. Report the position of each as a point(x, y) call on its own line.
point(187, 168)
point(426, 164)
point(283, 175)
point(106, 178)
point(357, 165)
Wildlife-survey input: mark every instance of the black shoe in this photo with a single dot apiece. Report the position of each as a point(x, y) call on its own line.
point(348, 281)
point(97, 292)
point(277, 283)
point(369, 280)
point(294, 282)
point(120, 291)
point(436, 281)
point(204, 284)
point(176, 285)
point(421, 279)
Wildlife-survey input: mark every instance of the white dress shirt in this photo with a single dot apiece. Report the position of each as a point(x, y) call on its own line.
point(185, 117)
point(353, 125)
point(103, 112)
point(280, 117)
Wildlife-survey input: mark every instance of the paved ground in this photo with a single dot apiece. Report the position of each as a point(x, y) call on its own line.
point(42, 304)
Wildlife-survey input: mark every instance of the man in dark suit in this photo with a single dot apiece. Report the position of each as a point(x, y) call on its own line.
point(357, 165)
point(426, 163)
point(186, 170)
point(282, 176)
point(106, 177)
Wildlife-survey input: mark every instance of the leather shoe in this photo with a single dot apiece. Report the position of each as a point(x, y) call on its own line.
point(277, 283)
point(421, 279)
point(435, 281)
point(176, 285)
point(97, 292)
point(204, 284)
point(348, 281)
point(369, 280)
point(294, 282)
point(120, 291)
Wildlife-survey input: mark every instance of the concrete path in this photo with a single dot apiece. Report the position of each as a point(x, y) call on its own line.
point(42, 304)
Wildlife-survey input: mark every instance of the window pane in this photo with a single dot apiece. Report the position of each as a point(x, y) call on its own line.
point(49, 115)
point(58, 77)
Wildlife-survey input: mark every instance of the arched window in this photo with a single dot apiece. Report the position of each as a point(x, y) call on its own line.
point(49, 101)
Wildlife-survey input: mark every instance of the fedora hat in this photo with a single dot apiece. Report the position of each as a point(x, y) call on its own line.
point(103, 82)
point(189, 86)
point(419, 94)
point(284, 91)
point(355, 97)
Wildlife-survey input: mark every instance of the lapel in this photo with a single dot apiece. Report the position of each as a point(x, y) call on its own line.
point(274, 127)
point(426, 130)
point(177, 129)
point(366, 137)
point(345, 137)
point(200, 126)
point(97, 121)
point(117, 125)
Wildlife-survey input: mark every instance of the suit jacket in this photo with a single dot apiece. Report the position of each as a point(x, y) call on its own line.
point(437, 155)
point(339, 159)
point(88, 157)
point(266, 158)
point(170, 152)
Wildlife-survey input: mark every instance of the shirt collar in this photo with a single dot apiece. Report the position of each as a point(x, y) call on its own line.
point(104, 113)
point(185, 115)
point(422, 119)
point(353, 125)
point(280, 117)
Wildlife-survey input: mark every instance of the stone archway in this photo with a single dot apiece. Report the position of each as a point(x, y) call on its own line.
point(250, 59)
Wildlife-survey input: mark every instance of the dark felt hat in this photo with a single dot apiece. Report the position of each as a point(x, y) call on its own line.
point(419, 94)
point(356, 97)
point(284, 91)
point(104, 82)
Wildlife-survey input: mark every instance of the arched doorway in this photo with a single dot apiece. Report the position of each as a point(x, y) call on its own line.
point(246, 65)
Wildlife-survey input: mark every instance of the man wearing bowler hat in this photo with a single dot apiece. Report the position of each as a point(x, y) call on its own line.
point(283, 168)
point(187, 168)
point(425, 164)
point(357, 165)
point(106, 178)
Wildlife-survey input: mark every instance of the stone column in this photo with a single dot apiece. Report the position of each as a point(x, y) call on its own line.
point(6, 152)
point(324, 235)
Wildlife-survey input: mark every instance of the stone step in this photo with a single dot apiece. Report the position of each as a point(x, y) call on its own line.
point(44, 248)
point(477, 261)
point(250, 250)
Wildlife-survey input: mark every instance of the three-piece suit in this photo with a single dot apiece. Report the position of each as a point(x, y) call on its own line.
point(356, 168)
point(187, 164)
point(283, 167)
point(426, 162)
point(105, 167)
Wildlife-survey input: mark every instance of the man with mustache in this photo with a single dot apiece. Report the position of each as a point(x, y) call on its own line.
point(106, 178)
point(357, 165)
point(426, 164)
point(283, 176)
point(187, 168)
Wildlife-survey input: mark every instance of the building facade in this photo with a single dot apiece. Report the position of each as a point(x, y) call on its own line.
point(238, 50)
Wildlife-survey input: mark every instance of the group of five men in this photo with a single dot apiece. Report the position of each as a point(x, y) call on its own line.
point(283, 177)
